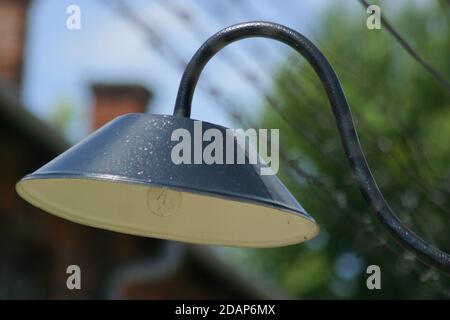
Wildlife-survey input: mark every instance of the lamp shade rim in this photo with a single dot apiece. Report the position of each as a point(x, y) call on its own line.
point(184, 188)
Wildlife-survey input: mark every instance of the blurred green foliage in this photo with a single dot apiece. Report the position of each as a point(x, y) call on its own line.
point(62, 114)
point(403, 118)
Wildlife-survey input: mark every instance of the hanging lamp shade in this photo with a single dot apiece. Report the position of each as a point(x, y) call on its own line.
point(122, 178)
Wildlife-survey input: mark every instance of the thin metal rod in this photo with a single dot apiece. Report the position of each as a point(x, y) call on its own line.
point(414, 54)
point(344, 120)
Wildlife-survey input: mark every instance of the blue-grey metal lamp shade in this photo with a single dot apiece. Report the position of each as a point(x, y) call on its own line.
point(122, 178)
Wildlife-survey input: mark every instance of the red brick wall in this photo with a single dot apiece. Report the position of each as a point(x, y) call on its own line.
point(12, 34)
point(111, 101)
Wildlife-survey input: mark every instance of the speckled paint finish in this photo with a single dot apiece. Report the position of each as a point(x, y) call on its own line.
point(136, 148)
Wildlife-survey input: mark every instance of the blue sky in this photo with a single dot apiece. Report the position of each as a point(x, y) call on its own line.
point(62, 63)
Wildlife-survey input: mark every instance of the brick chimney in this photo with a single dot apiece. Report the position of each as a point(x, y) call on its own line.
point(13, 18)
point(112, 100)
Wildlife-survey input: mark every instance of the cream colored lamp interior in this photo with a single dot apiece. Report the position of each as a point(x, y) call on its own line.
point(167, 213)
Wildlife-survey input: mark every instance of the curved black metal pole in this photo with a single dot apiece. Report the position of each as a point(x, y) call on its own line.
point(349, 138)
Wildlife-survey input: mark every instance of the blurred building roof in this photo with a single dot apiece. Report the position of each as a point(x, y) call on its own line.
point(134, 277)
